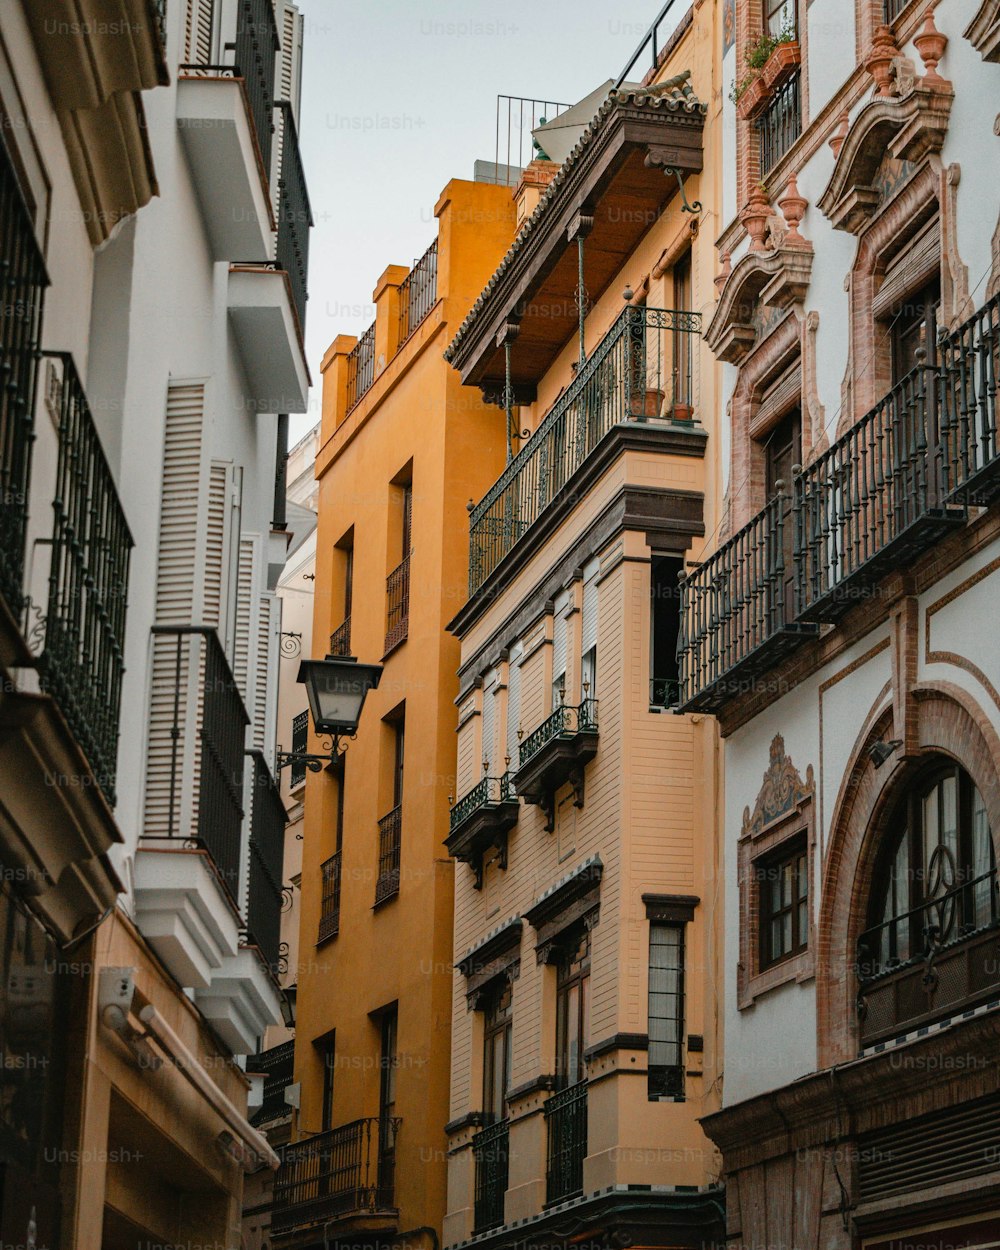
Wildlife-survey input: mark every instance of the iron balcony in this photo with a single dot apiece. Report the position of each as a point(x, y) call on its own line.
point(329, 914)
point(390, 845)
point(642, 370)
point(557, 752)
point(267, 848)
point(566, 1131)
point(278, 1068)
point(480, 820)
point(490, 1151)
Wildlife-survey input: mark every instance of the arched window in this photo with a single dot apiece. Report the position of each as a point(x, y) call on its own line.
point(935, 882)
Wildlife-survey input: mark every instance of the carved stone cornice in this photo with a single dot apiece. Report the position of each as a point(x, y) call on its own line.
point(498, 955)
point(909, 127)
point(781, 790)
point(777, 278)
point(577, 898)
point(983, 32)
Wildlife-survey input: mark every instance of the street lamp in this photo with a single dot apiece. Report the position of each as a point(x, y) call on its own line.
point(336, 688)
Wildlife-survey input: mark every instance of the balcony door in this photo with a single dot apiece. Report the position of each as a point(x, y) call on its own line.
point(573, 1011)
point(782, 452)
point(496, 1054)
point(388, 1064)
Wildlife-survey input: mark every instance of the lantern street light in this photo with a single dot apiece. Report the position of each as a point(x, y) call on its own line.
point(336, 688)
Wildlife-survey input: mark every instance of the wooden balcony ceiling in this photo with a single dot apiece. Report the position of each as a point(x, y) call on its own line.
point(615, 175)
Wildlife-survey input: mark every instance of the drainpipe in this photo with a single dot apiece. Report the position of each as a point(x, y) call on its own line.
point(280, 471)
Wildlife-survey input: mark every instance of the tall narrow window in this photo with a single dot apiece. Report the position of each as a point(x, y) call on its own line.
point(782, 451)
point(399, 741)
point(496, 1053)
point(682, 347)
point(573, 1011)
point(783, 904)
point(665, 622)
point(588, 633)
point(559, 633)
point(513, 703)
point(489, 723)
point(397, 586)
point(666, 1010)
point(912, 329)
point(328, 1054)
point(388, 1062)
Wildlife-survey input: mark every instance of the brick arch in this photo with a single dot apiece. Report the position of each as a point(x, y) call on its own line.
point(949, 722)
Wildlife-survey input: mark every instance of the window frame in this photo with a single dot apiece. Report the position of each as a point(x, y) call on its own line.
point(498, 1024)
point(666, 1082)
point(573, 968)
point(792, 853)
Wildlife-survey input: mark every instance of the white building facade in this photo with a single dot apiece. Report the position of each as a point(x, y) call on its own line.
point(839, 626)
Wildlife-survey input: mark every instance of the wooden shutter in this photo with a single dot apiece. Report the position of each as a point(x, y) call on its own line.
point(489, 721)
point(514, 701)
point(779, 398)
point(199, 22)
point(245, 615)
point(266, 673)
point(588, 629)
point(914, 267)
point(559, 630)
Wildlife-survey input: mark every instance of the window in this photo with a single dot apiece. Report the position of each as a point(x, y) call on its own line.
point(327, 1050)
point(780, 17)
point(588, 633)
point(666, 1010)
point(397, 583)
point(398, 750)
point(682, 346)
point(936, 882)
point(572, 1010)
point(912, 329)
point(388, 1064)
point(496, 1052)
point(559, 635)
point(665, 623)
point(783, 904)
point(782, 452)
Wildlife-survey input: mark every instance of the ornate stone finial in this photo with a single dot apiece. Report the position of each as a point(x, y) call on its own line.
point(722, 276)
point(879, 60)
point(930, 43)
point(836, 140)
point(754, 218)
point(793, 207)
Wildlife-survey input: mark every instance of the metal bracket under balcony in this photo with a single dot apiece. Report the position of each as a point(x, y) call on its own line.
point(480, 821)
point(555, 753)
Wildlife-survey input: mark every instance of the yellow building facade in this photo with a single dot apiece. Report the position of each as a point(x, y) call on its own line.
point(586, 1031)
point(403, 448)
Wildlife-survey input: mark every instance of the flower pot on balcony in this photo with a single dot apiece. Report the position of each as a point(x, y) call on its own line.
point(647, 404)
point(681, 412)
point(781, 65)
point(753, 100)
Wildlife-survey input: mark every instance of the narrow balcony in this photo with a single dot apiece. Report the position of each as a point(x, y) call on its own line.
point(277, 1066)
point(338, 1177)
point(189, 860)
point(397, 595)
point(266, 328)
point(873, 502)
point(295, 218)
point(970, 368)
point(481, 820)
point(935, 961)
point(267, 851)
point(329, 914)
point(566, 1130)
point(218, 134)
point(340, 639)
point(780, 124)
point(390, 845)
point(490, 1151)
point(418, 293)
point(737, 613)
point(300, 744)
point(642, 370)
point(555, 753)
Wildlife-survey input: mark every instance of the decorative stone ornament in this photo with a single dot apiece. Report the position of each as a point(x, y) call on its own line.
point(793, 207)
point(879, 60)
point(722, 276)
point(754, 218)
point(930, 43)
point(836, 140)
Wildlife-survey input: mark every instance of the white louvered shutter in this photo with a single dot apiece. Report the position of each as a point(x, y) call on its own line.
point(199, 22)
point(266, 674)
point(175, 602)
point(489, 721)
point(215, 543)
point(513, 702)
point(588, 631)
point(559, 631)
point(245, 614)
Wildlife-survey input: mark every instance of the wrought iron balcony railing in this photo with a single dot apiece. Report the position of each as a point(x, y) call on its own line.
point(361, 367)
point(300, 744)
point(335, 1174)
point(418, 292)
point(736, 612)
point(566, 1124)
point(278, 1066)
point(22, 295)
point(256, 51)
point(83, 662)
point(340, 639)
point(488, 792)
point(780, 124)
point(872, 502)
point(329, 915)
point(969, 361)
point(935, 960)
point(198, 762)
point(390, 844)
point(397, 594)
point(565, 721)
point(641, 370)
point(267, 848)
point(295, 218)
point(490, 1151)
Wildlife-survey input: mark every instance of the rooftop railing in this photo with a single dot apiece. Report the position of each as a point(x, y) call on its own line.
point(361, 367)
point(418, 292)
point(640, 371)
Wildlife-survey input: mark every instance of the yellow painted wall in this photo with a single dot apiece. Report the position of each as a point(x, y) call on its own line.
point(415, 411)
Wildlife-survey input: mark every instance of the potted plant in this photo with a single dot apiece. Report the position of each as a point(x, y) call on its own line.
point(770, 60)
point(784, 59)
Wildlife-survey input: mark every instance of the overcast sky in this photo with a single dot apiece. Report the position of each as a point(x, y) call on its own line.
point(399, 97)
